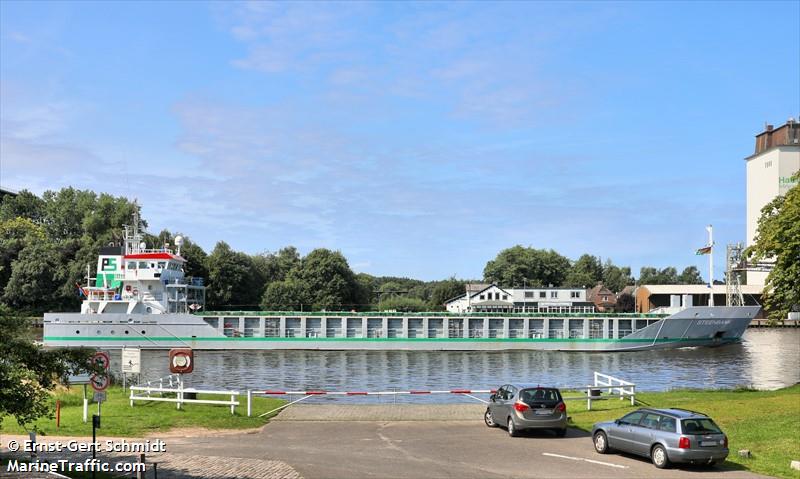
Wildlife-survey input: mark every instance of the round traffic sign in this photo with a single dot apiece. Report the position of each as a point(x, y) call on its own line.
point(101, 359)
point(99, 383)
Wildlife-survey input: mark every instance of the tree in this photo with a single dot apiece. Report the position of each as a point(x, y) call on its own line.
point(534, 267)
point(36, 276)
point(15, 233)
point(615, 277)
point(778, 238)
point(28, 372)
point(690, 275)
point(403, 304)
point(586, 272)
point(321, 280)
point(444, 290)
point(231, 279)
point(626, 303)
point(24, 205)
point(650, 275)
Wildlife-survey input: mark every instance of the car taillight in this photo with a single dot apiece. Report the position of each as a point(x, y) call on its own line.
point(684, 443)
point(725, 442)
point(561, 407)
point(520, 406)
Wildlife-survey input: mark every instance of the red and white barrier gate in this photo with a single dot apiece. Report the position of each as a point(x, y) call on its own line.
point(307, 394)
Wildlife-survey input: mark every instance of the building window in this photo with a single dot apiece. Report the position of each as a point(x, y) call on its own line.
point(554, 294)
point(575, 294)
point(605, 297)
point(542, 294)
point(505, 297)
point(529, 294)
point(482, 297)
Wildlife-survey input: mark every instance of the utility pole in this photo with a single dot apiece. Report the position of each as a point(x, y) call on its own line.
point(710, 230)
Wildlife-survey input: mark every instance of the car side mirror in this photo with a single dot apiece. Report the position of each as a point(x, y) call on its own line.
point(492, 397)
point(617, 422)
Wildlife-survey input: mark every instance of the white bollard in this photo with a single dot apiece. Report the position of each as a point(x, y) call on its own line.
point(85, 409)
point(249, 402)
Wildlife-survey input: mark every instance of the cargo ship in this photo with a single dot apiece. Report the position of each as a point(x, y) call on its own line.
point(142, 298)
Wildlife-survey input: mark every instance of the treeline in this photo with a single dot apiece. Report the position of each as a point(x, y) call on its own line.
point(46, 243)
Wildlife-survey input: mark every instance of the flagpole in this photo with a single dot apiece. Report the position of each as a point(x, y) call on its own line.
point(711, 265)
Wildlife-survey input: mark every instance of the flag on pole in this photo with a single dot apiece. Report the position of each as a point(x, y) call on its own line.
point(704, 250)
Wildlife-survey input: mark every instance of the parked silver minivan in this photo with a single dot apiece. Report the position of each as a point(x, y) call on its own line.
point(665, 436)
point(525, 406)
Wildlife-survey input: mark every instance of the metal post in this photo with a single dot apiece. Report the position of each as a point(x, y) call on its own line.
point(85, 405)
point(233, 406)
point(139, 473)
point(588, 398)
point(633, 395)
point(249, 400)
point(180, 392)
point(710, 229)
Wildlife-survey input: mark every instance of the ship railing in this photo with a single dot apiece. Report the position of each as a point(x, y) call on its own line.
point(576, 334)
point(355, 332)
point(435, 332)
point(556, 334)
point(621, 333)
point(596, 334)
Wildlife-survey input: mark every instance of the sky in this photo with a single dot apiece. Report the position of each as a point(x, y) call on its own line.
point(417, 138)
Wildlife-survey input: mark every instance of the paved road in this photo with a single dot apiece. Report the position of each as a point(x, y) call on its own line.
point(366, 446)
point(317, 441)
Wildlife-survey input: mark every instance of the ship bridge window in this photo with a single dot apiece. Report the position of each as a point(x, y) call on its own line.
point(162, 264)
point(131, 264)
point(143, 265)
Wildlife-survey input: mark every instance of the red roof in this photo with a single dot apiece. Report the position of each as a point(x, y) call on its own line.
point(154, 256)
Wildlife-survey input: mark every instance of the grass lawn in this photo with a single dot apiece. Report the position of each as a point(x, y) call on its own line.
point(118, 418)
point(765, 422)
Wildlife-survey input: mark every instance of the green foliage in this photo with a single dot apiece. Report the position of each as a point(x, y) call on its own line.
point(626, 303)
point(403, 304)
point(28, 372)
point(533, 267)
point(586, 272)
point(616, 277)
point(232, 279)
point(51, 240)
point(690, 275)
point(320, 281)
point(650, 275)
point(445, 290)
point(778, 238)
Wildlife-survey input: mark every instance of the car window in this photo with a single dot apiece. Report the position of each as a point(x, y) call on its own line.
point(530, 396)
point(632, 418)
point(501, 393)
point(510, 392)
point(651, 421)
point(668, 424)
point(699, 426)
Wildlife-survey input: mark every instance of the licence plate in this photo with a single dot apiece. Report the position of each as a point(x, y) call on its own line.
point(708, 443)
point(543, 412)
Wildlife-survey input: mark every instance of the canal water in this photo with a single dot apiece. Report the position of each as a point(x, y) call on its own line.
point(765, 359)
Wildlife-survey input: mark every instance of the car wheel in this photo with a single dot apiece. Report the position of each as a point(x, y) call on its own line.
point(659, 456)
point(601, 443)
point(488, 419)
point(561, 432)
point(512, 429)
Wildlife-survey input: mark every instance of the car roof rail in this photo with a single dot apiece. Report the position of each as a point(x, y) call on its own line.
point(689, 410)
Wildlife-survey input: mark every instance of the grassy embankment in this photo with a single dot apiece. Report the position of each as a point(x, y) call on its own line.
point(765, 422)
point(118, 418)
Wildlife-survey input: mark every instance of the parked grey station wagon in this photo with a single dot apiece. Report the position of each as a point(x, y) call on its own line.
point(665, 436)
point(525, 406)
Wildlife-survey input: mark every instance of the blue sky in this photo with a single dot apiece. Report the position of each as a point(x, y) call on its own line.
point(417, 138)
